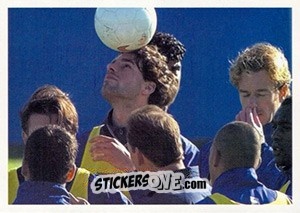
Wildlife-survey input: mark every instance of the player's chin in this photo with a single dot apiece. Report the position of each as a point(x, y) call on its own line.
point(109, 85)
point(264, 119)
point(104, 90)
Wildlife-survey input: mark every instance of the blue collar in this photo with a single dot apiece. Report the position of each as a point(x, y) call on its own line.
point(235, 178)
point(189, 172)
point(40, 192)
point(116, 131)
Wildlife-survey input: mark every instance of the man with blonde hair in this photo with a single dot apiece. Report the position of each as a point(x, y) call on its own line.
point(261, 75)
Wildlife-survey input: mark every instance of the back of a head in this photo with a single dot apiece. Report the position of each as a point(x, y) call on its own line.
point(239, 145)
point(49, 99)
point(156, 134)
point(49, 154)
point(261, 56)
point(154, 68)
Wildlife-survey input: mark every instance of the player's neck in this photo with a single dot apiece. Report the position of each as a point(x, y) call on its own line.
point(172, 167)
point(122, 111)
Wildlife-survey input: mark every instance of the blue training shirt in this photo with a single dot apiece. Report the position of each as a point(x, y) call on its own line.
point(152, 197)
point(106, 197)
point(267, 172)
point(38, 192)
point(241, 185)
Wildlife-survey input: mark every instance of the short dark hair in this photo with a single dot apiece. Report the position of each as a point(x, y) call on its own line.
point(238, 144)
point(49, 99)
point(50, 152)
point(156, 134)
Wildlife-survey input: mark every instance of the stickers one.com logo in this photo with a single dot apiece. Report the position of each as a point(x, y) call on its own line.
point(160, 182)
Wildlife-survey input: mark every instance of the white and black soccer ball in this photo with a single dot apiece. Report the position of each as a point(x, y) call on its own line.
point(125, 29)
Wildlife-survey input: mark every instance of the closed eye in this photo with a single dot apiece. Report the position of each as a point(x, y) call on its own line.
point(245, 94)
point(126, 65)
point(260, 95)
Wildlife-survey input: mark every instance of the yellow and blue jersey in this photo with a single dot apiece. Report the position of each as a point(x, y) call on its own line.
point(240, 186)
point(79, 187)
point(287, 188)
point(84, 159)
point(267, 172)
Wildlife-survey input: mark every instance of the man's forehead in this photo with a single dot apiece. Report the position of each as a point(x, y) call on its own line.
point(256, 81)
point(42, 119)
point(36, 121)
point(128, 56)
point(261, 89)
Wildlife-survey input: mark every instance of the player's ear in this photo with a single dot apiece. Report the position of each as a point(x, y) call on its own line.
point(258, 163)
point(149, 87)
point(24, 137)
point(283, 92)
point(25, 170)
point(71, 173)
point(215, 158)
point(140, 157)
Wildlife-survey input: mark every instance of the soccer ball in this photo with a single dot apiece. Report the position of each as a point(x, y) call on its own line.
point(125, 29)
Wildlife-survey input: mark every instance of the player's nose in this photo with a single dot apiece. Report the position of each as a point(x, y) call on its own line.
point(252, 102)
point(110, 68)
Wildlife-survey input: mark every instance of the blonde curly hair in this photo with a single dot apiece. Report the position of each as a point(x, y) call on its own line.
point(261, 56)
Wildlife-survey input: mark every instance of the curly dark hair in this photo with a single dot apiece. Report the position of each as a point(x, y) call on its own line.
point(154, 68)
point(168, 46)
